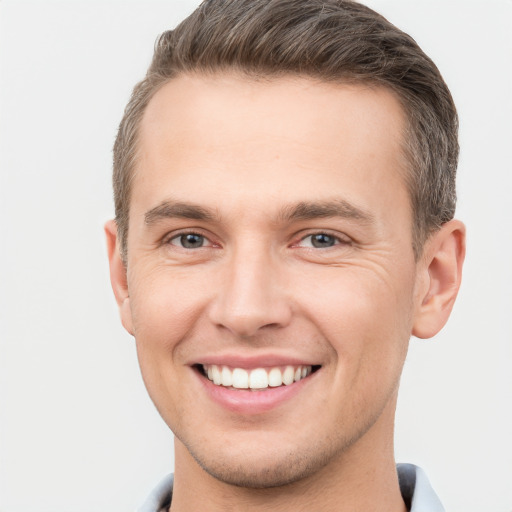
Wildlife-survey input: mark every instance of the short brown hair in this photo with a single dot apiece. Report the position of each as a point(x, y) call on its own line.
point(331, 40)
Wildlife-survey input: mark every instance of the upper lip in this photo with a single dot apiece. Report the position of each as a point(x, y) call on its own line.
point(253, 361)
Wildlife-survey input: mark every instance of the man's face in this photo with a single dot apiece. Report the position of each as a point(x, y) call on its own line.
point(270, 228)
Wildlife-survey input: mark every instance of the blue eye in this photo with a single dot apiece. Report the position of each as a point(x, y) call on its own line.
point(189, 241)
point(322, 240)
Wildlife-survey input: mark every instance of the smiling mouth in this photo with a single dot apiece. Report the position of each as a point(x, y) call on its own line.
point(256, 378)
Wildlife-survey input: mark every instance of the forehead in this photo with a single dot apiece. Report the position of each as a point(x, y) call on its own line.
point(270, 106)
point(295, 136)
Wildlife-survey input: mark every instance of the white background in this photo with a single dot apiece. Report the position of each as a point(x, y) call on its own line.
point(77, 432)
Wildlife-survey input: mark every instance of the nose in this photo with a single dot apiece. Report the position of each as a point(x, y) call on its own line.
point(252, 295)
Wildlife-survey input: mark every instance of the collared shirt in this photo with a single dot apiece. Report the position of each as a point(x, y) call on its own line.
point(414, 485)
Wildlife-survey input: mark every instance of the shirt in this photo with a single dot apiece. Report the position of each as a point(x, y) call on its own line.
point(416, 490)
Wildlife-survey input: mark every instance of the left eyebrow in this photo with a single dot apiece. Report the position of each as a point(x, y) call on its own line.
point(305, 210)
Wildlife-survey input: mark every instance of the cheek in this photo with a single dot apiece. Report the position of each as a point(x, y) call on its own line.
point(366, 318)
point(367, 324)
point(165, 312)
point(164, 307)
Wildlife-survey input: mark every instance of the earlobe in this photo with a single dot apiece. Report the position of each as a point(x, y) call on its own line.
point(118, 277)
point(441, 269)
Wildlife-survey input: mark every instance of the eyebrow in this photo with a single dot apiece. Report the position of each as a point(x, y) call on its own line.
point(306, 210)
point(301, 211)
point(180, 210)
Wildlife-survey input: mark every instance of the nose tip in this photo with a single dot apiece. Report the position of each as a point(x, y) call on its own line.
point(249, 300)
point(246, 323)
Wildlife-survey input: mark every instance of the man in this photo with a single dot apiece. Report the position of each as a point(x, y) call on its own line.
point(284, 182)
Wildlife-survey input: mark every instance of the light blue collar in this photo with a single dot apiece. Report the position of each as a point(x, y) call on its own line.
point(417, 490)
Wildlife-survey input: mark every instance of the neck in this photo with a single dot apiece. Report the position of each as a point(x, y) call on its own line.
point(363, 477)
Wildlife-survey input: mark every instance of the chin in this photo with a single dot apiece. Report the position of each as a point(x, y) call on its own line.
point(259, 476)
point(264, 470)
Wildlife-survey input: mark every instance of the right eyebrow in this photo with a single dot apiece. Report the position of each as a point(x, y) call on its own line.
point(177, 209)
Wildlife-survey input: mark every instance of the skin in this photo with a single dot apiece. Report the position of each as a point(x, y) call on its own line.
point(247, 152)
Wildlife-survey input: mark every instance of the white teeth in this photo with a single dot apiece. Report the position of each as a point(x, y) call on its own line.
point(275, 378)
point(217, 377)
point(288, 375)
point(259, 378)
point(240, 378)
point(227, 376)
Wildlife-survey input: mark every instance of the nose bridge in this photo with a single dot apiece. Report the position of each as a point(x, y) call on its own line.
point(251, 296)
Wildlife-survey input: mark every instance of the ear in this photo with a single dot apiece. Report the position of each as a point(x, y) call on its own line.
point(118, 277)
point(440, 272)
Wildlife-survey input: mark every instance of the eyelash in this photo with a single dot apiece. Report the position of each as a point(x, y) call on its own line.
point(179, 236)
point(337, 240)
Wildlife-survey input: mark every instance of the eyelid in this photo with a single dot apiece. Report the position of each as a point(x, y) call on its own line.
point(167, 239)
point(340, 238)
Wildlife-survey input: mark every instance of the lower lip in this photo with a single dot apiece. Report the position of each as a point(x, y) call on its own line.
point(247, 402)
